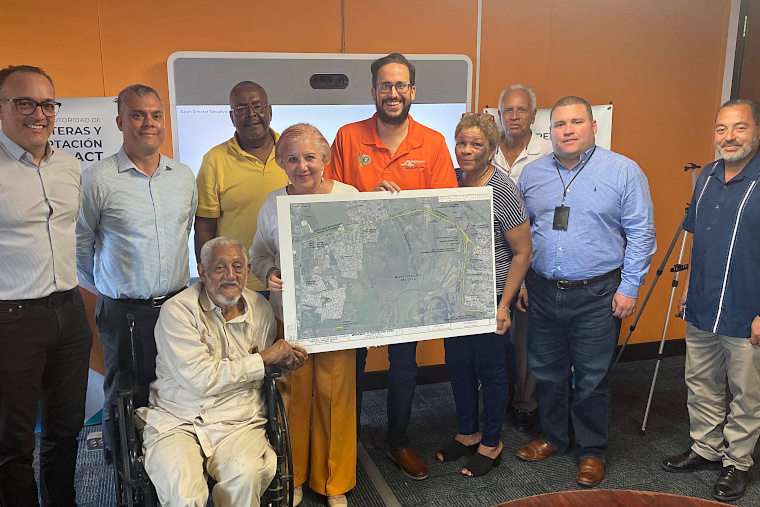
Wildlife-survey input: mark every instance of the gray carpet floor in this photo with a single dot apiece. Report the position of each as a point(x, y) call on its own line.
point(633, 461)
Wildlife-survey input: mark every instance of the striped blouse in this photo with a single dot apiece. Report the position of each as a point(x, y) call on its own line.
point(508, 211)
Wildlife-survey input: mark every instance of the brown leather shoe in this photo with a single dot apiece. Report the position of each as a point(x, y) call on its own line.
point(536, 451)
point(590, 472)
point(410, 464)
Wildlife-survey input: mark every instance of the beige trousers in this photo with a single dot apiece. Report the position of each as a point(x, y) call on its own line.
point(710, 360)
point(243, 464)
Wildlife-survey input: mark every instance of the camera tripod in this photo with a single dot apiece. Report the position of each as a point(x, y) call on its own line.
point(676, 270)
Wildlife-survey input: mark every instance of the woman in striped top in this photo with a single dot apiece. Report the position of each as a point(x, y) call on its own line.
point(483, 357)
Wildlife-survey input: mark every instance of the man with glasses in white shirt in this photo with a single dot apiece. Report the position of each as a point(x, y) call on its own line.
point(45, 338)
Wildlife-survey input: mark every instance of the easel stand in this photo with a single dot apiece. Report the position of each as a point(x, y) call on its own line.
point(676, 270)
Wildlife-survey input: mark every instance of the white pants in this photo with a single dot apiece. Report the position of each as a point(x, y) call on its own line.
point(710, 359)
point(243, 464)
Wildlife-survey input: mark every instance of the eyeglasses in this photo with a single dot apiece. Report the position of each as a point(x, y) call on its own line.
point(257, 108)
point(385, 86)
point(27, 106)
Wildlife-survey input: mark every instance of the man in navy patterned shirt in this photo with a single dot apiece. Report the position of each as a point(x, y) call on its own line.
point(723, 304)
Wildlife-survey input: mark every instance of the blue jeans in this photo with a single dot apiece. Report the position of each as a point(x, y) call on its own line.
point(573, 327)
point(480, 357)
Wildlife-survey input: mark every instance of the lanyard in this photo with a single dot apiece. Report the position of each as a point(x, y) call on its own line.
point(566, 187)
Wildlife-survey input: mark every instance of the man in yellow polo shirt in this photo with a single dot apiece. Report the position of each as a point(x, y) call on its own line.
point(236, 176)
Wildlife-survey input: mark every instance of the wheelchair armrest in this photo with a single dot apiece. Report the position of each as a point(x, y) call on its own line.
point(273, 371)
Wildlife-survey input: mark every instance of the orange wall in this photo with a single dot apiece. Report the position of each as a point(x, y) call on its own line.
point(660, 62)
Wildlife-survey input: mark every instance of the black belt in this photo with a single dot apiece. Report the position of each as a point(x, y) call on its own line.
point(580, 284)
point(154, 302)
point(54, 299)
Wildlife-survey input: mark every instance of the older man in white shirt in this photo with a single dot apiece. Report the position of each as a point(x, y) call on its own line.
point(518, 145)
point(206, 415)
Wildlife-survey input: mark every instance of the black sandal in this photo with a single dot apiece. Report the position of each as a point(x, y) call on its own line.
point(480, 464)
point(455, 450)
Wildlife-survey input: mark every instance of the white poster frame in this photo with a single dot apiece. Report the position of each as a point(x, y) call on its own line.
point(386, 337)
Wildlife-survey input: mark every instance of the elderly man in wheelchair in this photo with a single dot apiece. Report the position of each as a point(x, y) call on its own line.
point(206, 418)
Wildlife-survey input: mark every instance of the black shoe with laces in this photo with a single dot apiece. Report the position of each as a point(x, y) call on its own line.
point(524, 419)
point(689, 461)
point(731, 484)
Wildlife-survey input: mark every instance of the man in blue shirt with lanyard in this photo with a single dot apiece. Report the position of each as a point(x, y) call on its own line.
point(592, 224)
point(723, 331)
point(132, 238)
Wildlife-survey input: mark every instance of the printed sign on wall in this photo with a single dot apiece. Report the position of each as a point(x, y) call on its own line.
point(86, 128)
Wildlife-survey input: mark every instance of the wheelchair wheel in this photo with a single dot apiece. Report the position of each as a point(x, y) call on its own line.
point(131, 482)
point(280, 491)
point(118, 483)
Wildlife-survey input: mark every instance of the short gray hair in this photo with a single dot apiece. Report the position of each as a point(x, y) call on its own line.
point(208, 248)
point(515, 87)
point(139, 90)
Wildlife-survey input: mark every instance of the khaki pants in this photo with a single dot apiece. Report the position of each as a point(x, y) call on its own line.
point(243, 464)
point(323, 392)
point(711, 359)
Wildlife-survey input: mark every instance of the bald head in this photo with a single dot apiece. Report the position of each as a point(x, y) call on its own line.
point(244, 85)
point(251, 113)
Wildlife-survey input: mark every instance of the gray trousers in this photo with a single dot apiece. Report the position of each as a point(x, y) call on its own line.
point(710, 360)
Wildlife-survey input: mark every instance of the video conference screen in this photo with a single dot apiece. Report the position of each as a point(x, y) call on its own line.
point(199, 86)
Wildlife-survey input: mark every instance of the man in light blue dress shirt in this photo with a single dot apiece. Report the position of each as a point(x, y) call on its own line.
point(592, 224)
point(132, 238)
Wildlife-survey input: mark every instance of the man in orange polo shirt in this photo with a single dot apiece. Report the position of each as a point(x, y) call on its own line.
point(390, 151)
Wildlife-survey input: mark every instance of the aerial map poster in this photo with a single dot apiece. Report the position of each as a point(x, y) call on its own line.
point(377, 268)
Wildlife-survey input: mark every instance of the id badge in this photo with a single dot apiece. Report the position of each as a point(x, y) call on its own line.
point(561, 216)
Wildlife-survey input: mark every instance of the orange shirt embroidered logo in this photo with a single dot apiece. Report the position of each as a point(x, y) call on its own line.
point(363, 159)
point(413, 164)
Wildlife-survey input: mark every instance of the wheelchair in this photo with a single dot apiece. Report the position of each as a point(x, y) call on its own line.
point(131, 481)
